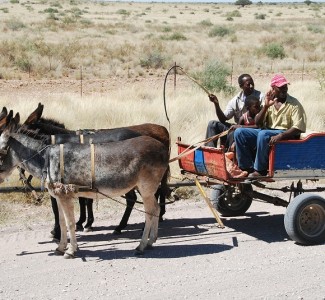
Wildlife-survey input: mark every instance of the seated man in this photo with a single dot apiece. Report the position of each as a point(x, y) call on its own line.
point(235, 109)
point(281, 118)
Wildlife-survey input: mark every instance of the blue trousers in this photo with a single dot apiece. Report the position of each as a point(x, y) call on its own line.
point(252, 147)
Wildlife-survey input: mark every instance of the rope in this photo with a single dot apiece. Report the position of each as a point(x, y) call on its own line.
point(197, 145)
point(117, 201)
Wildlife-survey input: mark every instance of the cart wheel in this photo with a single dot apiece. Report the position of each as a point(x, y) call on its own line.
point(304, 219)
point(230, 203)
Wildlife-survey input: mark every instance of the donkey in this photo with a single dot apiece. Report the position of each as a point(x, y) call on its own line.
point(46, 126)
point(71, 170)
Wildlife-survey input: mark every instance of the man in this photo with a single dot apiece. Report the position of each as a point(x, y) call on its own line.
point(282, 117)
point(235, 109)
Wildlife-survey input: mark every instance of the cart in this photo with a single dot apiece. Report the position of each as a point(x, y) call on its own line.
point(290, 160)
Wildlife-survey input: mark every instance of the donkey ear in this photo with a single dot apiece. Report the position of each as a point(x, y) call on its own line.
point(35, 115)
point(3, 113)
point(9, 117)
point(17, 118)
point(13, 124)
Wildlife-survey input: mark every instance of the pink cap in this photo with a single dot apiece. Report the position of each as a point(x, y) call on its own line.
point(279, 80)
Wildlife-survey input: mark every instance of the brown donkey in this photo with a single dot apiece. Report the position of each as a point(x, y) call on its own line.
point(71, 170)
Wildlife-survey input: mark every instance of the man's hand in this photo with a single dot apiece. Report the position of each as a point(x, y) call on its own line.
point(275, 139)
point(269, 99)
point(233, 127)
point(213, 99)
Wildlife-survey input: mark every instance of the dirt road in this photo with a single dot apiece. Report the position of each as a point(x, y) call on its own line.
point(251, 258)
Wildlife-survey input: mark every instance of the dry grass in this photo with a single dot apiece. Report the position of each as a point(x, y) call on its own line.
point(131, 46)
point(54, 38)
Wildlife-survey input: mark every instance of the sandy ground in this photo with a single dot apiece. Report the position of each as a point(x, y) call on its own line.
point(251, 258)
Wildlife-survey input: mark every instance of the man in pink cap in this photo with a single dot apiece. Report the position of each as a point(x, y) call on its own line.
point(282, 117)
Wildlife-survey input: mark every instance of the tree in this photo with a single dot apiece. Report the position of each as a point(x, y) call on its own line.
point(308, 2)
point(243, 2)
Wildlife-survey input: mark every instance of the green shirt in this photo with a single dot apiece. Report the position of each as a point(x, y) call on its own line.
point(291, 114)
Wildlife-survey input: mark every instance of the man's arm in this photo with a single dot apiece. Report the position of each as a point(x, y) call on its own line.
point(291, 133)
point(221, 116)
point(269, 101)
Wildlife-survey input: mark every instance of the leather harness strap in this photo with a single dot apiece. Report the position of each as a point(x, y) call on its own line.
point(52, 139)
point(61, 162)
point(92, 157)
point(81, 136)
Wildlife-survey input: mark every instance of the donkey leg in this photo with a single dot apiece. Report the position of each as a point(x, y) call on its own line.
point(151, 222)
point(82, 216)
point(64, 238)
point(70, 219)
point(90, 219)
point(131, 197)
point(153, 235)
point(56, 231)
point(162, 200)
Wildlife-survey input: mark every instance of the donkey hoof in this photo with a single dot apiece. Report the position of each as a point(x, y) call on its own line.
point(58, 252)
point(117, 232)
point(69, 255)
point(79, 227)
point(88, 229)
point(149, 247)
point(138, 252)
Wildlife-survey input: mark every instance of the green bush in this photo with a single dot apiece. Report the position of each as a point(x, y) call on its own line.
point(123, 12)
point(176, 36)
point(153, 60)
point(219, 31)
point(206, 23)
point(51, 10)
point(273, 50)
point(260, 16)
point(23, 64)
point(214, 77)
point(15, 24)
point(233, 14)
point(315, 29)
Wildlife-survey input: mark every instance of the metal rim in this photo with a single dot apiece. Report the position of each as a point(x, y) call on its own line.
point(312, 220)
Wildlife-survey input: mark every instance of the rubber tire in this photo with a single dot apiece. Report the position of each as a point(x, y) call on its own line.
point(227, 209)
point(301, 225)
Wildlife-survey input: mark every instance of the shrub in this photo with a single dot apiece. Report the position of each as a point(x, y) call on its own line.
point(214, 77)
point(15, 24)
point(219, 31)
point(123, 12)
point(51, 10)
point(176, 36)
point(315, 28)
point(273, 50)
point(153, 60)
point(260, 16)
point(206, 23)
point(233, 14)
point(23, 64)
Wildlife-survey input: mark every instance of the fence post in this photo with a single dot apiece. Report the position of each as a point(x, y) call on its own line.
point(81, 81)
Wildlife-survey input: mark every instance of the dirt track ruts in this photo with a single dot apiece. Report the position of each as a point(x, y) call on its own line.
point(252, 258)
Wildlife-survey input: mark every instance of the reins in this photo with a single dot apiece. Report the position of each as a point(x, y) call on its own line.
point(197, 145)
